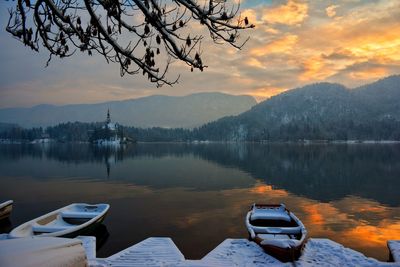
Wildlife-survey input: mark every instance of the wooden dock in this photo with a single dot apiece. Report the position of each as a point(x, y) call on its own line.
point(161, 251)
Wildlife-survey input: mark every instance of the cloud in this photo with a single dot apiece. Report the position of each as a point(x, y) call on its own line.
point(281, 45)
point(254, 62)
point(294, 43)
point(338, 54)
point(331, 10)
point(315, 68)
point(265, 92)
point(369, 73)
point(291, 13)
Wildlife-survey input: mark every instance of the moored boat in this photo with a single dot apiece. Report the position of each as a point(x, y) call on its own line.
point(5, 209)
point(277, 230)
point(70, 221)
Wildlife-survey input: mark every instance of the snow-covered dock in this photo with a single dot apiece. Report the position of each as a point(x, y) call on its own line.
point(394, 248)
point(152, 251)
point(159, 251)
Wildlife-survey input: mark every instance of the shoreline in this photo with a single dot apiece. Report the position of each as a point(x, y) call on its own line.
point(206, 142)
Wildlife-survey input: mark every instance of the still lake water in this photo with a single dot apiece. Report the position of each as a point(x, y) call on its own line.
point(199, 194)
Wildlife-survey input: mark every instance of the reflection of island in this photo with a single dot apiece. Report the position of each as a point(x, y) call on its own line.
point(321, 172)
point(110, 155)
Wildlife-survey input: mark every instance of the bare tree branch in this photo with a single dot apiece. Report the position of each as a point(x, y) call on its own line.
point(139, 35)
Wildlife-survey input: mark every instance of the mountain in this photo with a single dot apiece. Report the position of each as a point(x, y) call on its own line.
point(317, 111)
point(158, 110)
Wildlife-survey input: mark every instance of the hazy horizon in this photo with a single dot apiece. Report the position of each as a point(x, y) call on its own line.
point(133, 98)
point(257, 99)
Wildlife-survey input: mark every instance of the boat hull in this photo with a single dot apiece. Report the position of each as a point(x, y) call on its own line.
point(87, 230)
point(294, 235)
point(70, 221)
point(282, 254)
point(5, 211)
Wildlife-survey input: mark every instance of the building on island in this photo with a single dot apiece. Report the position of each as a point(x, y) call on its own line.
point(109, 134)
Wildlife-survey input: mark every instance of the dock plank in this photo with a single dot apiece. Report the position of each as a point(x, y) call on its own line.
point(239, 252)
point(153, 251)
point(163, 252)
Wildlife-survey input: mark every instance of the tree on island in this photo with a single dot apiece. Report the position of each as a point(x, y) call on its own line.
point(139, 35)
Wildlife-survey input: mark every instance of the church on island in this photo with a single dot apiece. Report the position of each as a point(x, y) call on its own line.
point(109, 134)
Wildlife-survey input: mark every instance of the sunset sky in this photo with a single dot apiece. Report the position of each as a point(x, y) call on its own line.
point(294, 43)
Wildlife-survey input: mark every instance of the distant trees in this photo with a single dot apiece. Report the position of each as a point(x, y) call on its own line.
point(225, 130)
point(139, 35)
point(157, 134)
point(18, 133)
point(72, 131)
point(99, 133)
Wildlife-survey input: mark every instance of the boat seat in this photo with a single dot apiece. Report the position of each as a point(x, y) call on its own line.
point(270, 214)
point(277, 230)
point(273, 236)
point(48, 229)
point(282, 243)
point(78, 215)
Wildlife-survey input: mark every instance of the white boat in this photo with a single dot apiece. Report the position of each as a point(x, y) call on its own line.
point(5, 209)
point(277, 230)
point(70, 221)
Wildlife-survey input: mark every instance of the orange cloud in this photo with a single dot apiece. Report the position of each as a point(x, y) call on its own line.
point(281, 45)
point(260, 94)
point(368, 73)
point(292, 13)
point(253, 62)
point(332, 49)
point(373, 236)
point(377, 44)
point(267, 189)
point(316, 68)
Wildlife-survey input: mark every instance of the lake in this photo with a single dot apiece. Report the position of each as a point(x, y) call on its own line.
point(198, 194)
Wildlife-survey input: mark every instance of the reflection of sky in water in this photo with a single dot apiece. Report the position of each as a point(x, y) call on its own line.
point(198, 195)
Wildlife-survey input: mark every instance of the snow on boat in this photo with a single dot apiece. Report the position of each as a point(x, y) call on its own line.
point(277, 230)
point(5, 209)
point(70, 221)
point(43, 252)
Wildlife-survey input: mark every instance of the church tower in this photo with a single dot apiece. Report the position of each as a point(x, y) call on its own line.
point(108, 117)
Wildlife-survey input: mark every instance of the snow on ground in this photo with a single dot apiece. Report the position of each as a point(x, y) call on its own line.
point(161, 251)
point(394, 247)
point(241, 252)
point(42, 251)
point(89, 244)
point(153, 251)
point(324, 252)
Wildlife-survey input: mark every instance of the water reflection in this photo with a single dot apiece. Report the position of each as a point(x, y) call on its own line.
point(101, 233)
point(5, 226)
point(345, 193)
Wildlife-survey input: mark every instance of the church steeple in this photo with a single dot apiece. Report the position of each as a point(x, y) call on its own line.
point(108, 117)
